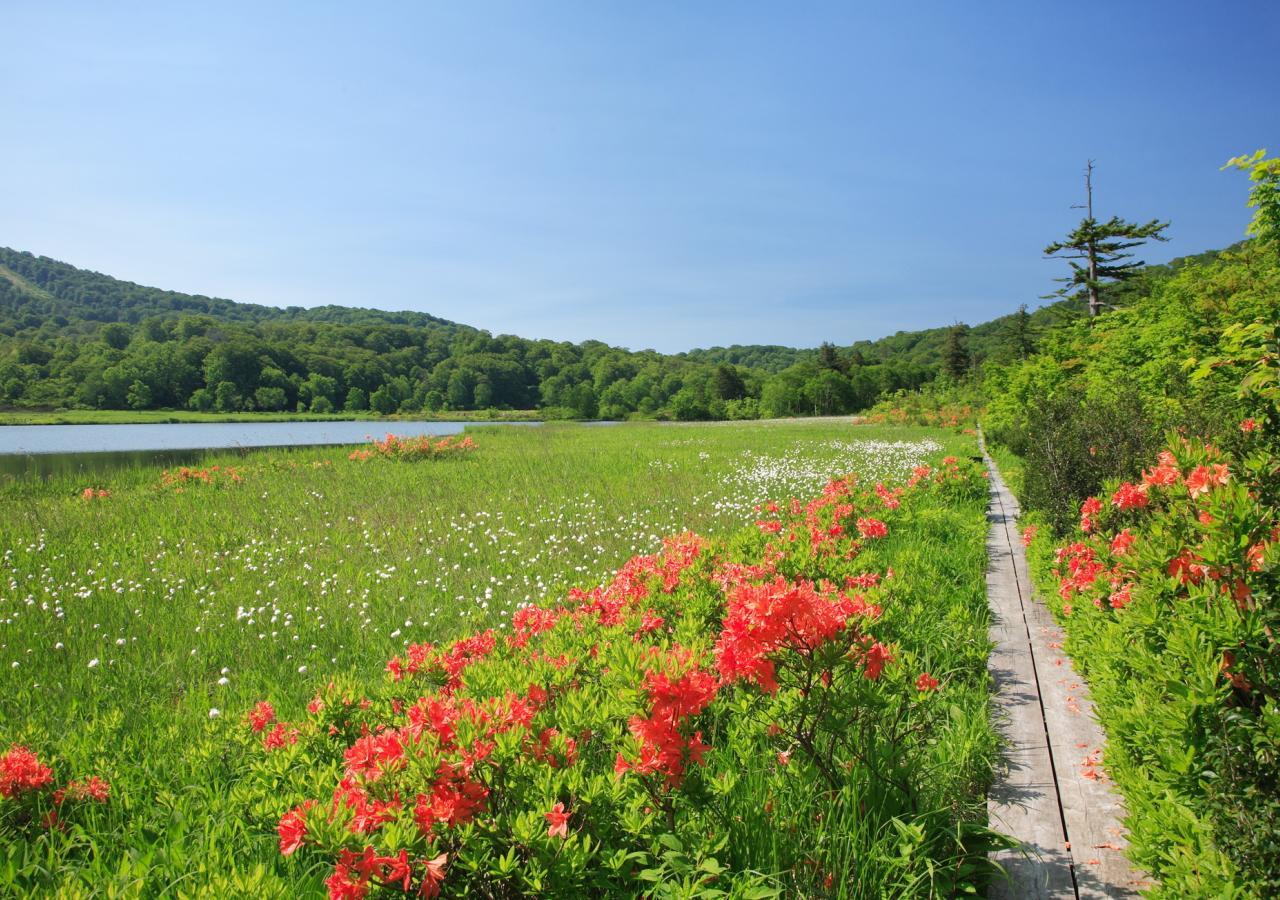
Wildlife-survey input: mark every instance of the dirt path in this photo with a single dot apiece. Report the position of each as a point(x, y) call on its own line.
point(1051, 793)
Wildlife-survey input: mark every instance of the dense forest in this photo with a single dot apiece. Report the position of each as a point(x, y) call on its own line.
point(71, 338)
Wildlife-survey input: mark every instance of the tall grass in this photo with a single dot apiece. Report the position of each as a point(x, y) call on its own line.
point(132, 627)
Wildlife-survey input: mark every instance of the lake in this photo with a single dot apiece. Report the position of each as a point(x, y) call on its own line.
point(45, 450)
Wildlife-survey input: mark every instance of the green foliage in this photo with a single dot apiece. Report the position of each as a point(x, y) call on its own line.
point(1159, 363)
point(1264, 196)
point(1019, 336)
point(1168, 593)
point(1072, 447)
point(1106, 242)
point(943, 403)
point(955, 356)
point(1096, 252)
point(225, 397)
point(1168, 585)
point(72, 338)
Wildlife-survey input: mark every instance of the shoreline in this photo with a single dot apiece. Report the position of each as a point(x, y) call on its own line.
point(182, 417)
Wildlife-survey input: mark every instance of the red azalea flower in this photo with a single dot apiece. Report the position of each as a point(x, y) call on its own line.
point(1204, 478)
point(433, 875)
point(558, 821)
point(395, 869)
point(872, 528)
point(874, 659)
point(21, 771)
point(346, 882)
point(280, 736)
point(261, 716)
point(1122, 542)
point(1088, 510)
point(1120, 598)
point(1130, 496)
point(293, 828)
point(94, 788)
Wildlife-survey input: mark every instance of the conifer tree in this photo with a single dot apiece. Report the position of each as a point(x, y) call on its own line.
point(1100, 248)
point(955, 354)
point(829, 357)
point(1019, 335)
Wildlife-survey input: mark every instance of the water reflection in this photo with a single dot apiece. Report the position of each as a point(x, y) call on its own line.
point(204, 435)
point(50, 451)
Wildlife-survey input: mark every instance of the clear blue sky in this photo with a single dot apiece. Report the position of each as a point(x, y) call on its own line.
point(651, 175)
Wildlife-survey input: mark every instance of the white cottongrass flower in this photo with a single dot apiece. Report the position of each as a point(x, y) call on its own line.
point(93, 663)
point(214, 713)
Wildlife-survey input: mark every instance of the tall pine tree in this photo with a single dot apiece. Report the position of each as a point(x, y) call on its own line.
point(1100, 248)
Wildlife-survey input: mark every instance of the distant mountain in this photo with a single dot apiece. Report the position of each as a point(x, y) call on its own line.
point(45, 286)
point(70, 337)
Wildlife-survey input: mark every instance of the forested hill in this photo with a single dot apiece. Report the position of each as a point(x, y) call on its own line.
point(54, 288)
point(75, 338)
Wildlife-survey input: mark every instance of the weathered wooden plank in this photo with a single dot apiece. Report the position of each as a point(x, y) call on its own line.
point(1050, 793)
point(1091, 808)
point(1023, 801)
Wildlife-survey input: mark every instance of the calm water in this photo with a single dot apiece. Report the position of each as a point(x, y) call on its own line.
point(45, 450)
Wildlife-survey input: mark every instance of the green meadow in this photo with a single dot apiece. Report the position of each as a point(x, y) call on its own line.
point(139, 626)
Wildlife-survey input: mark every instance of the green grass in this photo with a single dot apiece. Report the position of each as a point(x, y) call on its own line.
point(1010, 466)
point(317, 567)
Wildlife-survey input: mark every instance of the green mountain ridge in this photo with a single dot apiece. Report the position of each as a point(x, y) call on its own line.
point(70, 337)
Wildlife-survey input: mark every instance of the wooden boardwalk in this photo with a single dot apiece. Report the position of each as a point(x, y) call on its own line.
point(1050, 792)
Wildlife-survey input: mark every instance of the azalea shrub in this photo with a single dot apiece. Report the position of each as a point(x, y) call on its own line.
point(32, 799)
point(943, 403)
point(1168, 592)
point(916, 411)
point(795, 710)
point(210, 476)
point(408, 449)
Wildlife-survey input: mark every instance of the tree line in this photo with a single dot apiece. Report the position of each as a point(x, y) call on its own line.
point(71, 338)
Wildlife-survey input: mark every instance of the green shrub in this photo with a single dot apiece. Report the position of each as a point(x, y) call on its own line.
point(1168, 593)
point(1072, 446)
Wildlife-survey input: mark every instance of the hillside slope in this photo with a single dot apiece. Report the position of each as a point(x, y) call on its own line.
point(70, 337)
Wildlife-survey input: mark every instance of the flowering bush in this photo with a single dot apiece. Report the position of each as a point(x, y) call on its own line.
point(414, 448)
point(946, 415)
point(178, 479)
point(30, 798)
point(1169, 594)
point(711, 713)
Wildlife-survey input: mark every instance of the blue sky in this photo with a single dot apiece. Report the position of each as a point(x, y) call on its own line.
point(651, 175)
